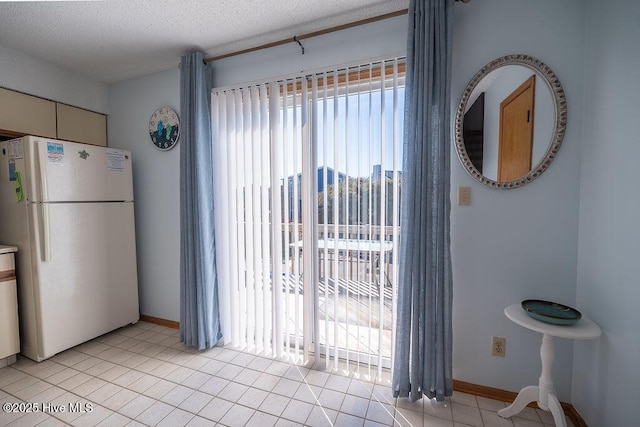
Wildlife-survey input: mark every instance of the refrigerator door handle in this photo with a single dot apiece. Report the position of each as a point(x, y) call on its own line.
point(46, 239)
point(42, 165)
point(44, 198)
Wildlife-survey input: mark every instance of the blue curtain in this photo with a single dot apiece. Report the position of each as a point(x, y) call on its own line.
point(422, 363)
point(199, 313)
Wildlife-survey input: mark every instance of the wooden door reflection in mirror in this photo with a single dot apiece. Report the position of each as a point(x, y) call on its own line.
point(516, 132)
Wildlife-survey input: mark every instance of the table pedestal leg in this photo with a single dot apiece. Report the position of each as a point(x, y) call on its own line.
point(527, 395)
point(556, 411)
point(543, 393)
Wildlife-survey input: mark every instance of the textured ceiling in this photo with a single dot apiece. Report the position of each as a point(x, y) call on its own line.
point(118, 40)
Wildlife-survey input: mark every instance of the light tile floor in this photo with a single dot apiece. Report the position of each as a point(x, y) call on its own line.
point(142, 375)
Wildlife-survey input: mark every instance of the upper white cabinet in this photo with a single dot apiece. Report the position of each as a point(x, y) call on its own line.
point(26, 114)
point(78, 125)
point(22, 114)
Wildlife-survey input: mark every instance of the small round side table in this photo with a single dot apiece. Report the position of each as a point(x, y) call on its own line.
point(543, 393)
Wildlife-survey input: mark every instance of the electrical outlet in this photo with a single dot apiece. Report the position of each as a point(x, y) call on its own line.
point(498, 346)
point(464, 196)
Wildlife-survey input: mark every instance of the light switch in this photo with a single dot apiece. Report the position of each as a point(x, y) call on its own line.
point(464, 196)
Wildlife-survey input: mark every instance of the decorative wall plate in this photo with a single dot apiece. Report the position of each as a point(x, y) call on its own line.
point(164, 128)
point(551, 312)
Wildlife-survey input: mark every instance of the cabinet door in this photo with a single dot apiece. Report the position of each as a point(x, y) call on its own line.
point(78, 125)
point(9, 337)
point(26, 114)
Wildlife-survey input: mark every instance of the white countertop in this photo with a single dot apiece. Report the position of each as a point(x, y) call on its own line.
point(7, 249)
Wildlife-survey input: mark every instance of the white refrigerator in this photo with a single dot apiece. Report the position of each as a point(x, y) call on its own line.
point(68, 207)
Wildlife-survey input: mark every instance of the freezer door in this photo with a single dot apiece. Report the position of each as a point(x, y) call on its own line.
point(88, 286)
point(62, 171)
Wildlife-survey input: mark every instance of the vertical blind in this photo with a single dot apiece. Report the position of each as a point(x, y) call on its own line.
point(308, 182)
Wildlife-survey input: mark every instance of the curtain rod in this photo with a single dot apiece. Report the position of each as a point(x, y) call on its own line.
point(296, 39)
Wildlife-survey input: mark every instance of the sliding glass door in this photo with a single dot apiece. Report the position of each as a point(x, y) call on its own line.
point(358, 135)
point(309, 171)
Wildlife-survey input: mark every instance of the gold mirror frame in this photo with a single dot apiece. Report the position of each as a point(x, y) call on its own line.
point(560, 105)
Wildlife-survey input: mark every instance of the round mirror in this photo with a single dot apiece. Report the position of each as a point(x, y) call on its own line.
point(510, 122)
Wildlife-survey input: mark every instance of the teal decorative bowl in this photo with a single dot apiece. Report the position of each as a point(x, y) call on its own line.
point(551, 312)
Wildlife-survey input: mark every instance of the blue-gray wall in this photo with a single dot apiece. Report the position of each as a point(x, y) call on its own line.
point(606, 375)
point(511, 245)
point(156, 187)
